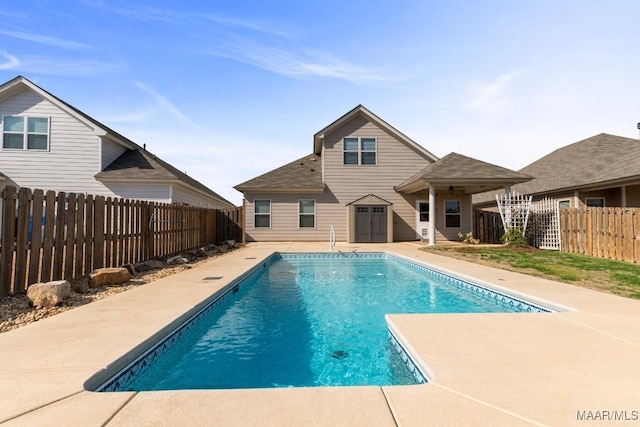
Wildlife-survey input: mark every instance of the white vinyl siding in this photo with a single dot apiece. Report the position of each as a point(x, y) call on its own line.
point(110, 152)
point(73, 157)
point(160, 193)
point(184, 195)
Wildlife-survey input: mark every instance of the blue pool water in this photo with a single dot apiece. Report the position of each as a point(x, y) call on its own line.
point(306, 320)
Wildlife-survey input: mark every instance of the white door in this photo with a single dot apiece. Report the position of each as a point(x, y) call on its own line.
point(422, 219)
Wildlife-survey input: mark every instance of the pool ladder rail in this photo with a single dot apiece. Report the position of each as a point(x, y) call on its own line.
point(332, 238)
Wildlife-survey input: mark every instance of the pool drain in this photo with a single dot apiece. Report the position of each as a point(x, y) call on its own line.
point(339, 354)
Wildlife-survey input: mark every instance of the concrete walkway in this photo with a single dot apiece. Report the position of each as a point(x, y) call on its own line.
point(580, 366)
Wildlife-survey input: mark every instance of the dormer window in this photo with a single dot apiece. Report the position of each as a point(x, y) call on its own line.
point(360, 151)
point(25, 133)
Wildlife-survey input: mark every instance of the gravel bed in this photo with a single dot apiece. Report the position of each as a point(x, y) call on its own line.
point(16, 310)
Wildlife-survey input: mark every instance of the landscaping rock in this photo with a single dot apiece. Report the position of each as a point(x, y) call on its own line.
point(108, 276)
point(178, 259)
point(131, 268)
point(152, 264)
point(49, 294)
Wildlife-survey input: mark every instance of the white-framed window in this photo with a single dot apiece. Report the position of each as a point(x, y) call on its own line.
point(452, 214)
point(262, 213)
point(594, 202)
point(564, 204)
point(25, 133)
point(360, 151)
point(307, 213)
point(423, 211)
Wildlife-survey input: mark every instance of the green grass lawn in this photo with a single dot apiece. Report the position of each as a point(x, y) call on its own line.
point(616, 277)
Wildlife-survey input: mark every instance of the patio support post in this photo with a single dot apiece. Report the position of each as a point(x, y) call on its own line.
point(623, 196)
point(432, 215)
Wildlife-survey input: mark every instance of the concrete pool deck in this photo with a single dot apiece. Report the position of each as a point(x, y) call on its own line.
point(578, 367)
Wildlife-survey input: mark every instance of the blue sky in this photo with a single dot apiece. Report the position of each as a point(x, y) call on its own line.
point(227, 90)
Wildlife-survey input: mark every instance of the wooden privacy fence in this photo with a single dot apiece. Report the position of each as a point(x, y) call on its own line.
point(612, 233)
point(49, 236)
point(487, 226)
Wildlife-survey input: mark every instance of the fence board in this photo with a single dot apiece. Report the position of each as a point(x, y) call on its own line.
point(98, 232)
point(22, 235)
point(48, 242)
point(70, 237)
point(58, 247)
point(35, 250)
point(8, 241)
point(612, 233)
point(80, 236)
point(53, 236)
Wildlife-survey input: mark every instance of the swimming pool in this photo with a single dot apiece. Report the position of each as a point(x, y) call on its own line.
point(307, 320)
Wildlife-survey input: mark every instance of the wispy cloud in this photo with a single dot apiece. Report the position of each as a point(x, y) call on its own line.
point(265, 45)
point(164, 105)
point(47, 40)
point(492, 96)
point(297, 63)
point(10, 61)
point(64, 67)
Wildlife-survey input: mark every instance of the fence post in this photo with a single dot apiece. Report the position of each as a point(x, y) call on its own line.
point(8, 239)
point(22, 237)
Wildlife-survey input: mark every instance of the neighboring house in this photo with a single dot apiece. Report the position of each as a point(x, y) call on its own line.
point(603, 170)
point(372, 184)
point(50, 145)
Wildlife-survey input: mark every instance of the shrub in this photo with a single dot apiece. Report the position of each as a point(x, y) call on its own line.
point(514, 237)
point(468, 238)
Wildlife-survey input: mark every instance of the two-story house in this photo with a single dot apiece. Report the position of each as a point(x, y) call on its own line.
point(372, 184)
point(48, 144)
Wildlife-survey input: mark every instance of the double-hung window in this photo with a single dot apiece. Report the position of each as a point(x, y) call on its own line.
point(262, 213)
point(360, 151)
point(30, 133)
point(307, 213)
point(452, 213)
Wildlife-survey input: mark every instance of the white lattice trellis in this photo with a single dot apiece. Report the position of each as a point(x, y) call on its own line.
point(545, 224)
point(514, 210)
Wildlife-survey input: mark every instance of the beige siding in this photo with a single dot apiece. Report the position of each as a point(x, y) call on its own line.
point(344, 184)
point(633, 196)
point(395, 163)
point(73, 157)
point(284, 218)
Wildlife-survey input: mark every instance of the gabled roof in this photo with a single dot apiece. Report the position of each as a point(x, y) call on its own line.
point(133, 164)
point(19, 83)
point(140, 165)
point(360, 110)
point(370, 199)
point(304, 174)
point(455, 168)
point(594, 161)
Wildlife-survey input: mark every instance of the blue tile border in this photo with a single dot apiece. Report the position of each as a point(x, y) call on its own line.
point(413, 368)
point(122, 378)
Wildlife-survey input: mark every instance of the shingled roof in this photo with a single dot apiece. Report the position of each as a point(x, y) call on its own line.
point(300, 175)
point(455, 168)
point(133, 165)
point(597, 160)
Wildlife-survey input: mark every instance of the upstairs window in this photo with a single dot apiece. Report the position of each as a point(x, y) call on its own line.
point(32, 130)
point(359, 151)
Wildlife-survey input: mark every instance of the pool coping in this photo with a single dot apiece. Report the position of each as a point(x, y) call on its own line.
point(52, 379)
